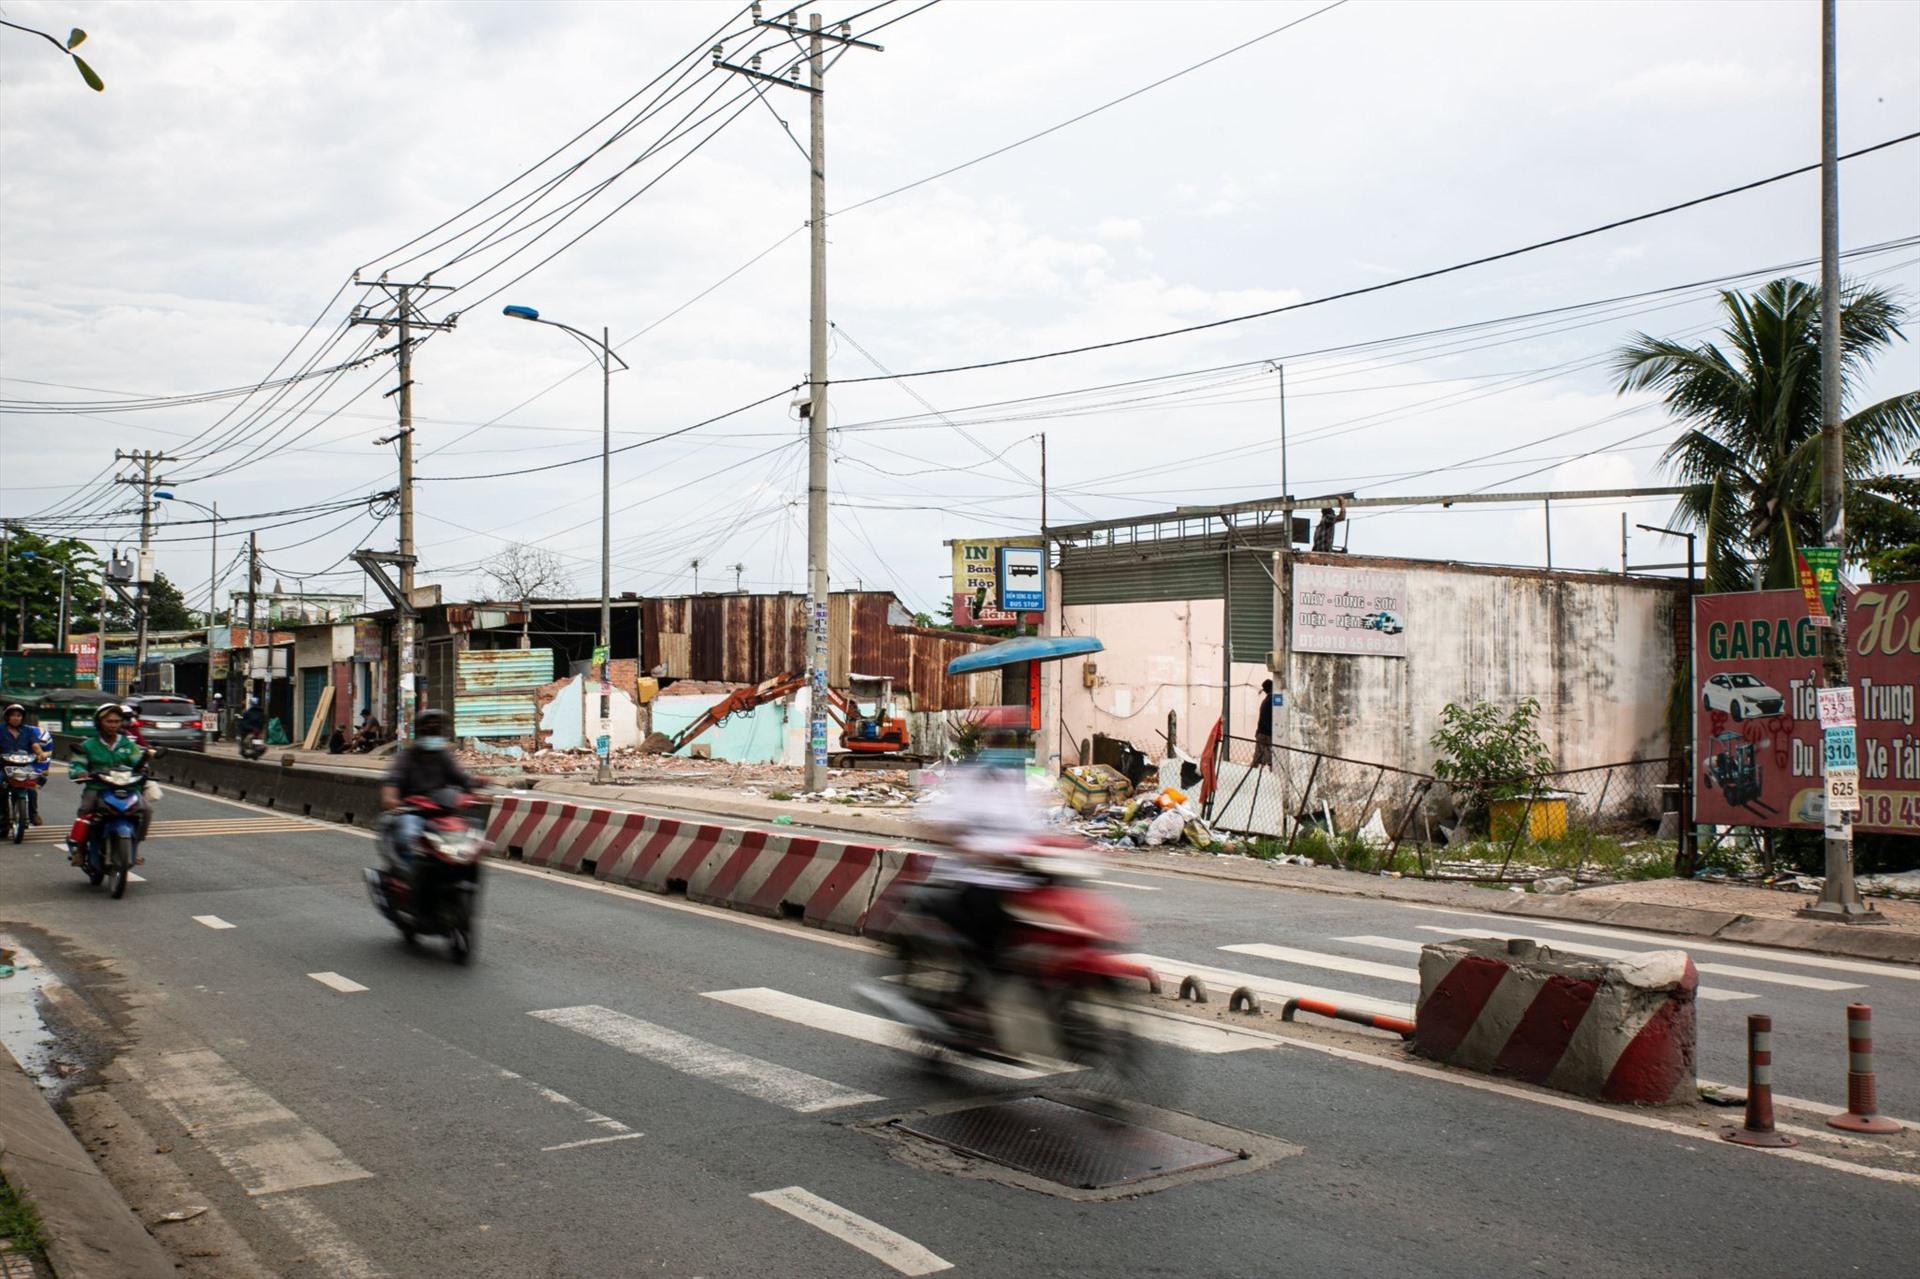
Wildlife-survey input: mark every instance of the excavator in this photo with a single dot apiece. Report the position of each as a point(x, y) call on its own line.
point(869, 727)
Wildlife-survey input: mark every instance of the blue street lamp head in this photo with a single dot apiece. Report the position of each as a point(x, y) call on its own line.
point(163, 493)
point(520, 312)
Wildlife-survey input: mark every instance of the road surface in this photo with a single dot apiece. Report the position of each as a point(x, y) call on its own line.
point(623, 1084)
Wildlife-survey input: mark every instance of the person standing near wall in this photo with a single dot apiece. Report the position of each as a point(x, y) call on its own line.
point(1263, 728)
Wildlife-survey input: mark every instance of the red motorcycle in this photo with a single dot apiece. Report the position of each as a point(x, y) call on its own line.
point(439, 896)
point(1017, 959)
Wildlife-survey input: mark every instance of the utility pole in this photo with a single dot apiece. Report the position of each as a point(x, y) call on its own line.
point(405, 317)
point(1839, 896)
point(253, 615)
point(817, 585)
point(146, 460)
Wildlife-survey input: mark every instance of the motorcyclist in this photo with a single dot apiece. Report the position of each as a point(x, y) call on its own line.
point(989, 819)
point(253, 720)
point(17, 737)
point(108, 749)
point(422, 767)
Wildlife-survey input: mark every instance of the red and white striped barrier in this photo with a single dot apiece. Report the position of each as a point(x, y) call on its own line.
point(1620, 1030)
point(828, 883)
point(899, 871)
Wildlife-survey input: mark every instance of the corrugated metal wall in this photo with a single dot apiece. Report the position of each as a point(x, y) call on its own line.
point(496, 691)
point(1193, 568)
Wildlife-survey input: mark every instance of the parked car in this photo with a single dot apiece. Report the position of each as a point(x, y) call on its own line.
point(172, 722)
point(1741, 696)
point(1385, 622)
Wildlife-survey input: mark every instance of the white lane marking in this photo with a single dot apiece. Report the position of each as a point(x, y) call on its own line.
point(1783, 1102)
point(1121, 883)
point(335, 981)
point(135, 878)
point(593, 1141)
point(883, 1245)
point(780, 1085)
point(1657, 941)
point(1338, 963)
point(1712, 994)
point(1614, 952)
point(264, 1145)
point(327, 1247)
point(1272, 988)
point(858, 1025)
point(212, 921)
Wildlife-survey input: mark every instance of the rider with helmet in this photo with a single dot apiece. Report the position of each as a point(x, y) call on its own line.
point(17, 737)
point(423, 766)
point(107, 750)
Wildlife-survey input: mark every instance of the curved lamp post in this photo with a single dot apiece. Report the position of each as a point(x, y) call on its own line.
point(603, 355)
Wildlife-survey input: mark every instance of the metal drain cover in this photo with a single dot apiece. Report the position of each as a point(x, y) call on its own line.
point(1065, 1144)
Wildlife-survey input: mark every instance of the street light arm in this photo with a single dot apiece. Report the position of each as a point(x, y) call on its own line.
point(602, 352)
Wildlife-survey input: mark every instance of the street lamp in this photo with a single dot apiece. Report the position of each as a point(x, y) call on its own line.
point(213, 551)
point(60, 627)
point(604, 356)
point(1675, 532)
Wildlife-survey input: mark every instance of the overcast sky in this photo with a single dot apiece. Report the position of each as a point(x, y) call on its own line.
point(179, 233)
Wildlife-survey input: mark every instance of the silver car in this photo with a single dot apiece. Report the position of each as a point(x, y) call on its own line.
point(172, 722)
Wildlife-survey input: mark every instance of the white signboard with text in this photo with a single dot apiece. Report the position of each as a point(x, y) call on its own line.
point(1337, 609)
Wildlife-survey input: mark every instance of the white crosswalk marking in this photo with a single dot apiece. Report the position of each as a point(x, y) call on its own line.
point(857, 1025)
point(264, 1145)
point(1654, 941)
point(1615, 952)
point(1268, 987)
point(344, 985)
point(780, 1085)
point(1195, 1036)
point(886, 1246)
point(1338, 963)
point(1712, 994)
point(212, 921)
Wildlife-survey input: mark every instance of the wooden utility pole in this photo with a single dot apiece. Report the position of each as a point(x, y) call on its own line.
point(253, 613)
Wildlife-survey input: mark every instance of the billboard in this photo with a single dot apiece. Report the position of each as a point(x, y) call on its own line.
point(1759, 740)
point(1337, 609)
point(976, 581)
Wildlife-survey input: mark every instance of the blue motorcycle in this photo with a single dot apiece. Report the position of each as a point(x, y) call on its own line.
point(113, 839)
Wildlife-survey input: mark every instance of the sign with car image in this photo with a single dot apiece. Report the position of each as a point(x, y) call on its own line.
point(1337, 609)
point(1766, 734)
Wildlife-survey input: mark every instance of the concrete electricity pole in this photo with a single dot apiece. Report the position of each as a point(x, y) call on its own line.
point(1839, 897)
point(253, 616)
point(143, 570)
point(405, 317)
point(817, 585)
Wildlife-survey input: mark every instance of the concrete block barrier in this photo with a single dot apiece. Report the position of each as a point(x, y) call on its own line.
point(560, 836)
point(899, 872)
point(671, 855)
point(1619, 1030)
point(824, 882)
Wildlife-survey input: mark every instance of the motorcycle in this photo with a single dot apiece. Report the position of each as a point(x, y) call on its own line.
point(252, 746)
point(1057, 989)
point(112, 842)
point(440, 896)
point(21, 781)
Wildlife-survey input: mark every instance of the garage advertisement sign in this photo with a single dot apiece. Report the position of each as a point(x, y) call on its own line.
point(1337, 609)
point(1771, 747)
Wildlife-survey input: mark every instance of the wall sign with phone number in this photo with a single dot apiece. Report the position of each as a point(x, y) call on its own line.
point(1890, 810)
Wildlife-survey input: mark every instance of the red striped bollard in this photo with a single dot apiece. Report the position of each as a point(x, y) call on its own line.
point(1862, 1105)
point(1758, 1128)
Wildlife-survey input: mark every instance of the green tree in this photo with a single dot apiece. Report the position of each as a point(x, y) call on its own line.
point(1751, 402)
point(1890, 540)
point(167, 607)
point(30, 576)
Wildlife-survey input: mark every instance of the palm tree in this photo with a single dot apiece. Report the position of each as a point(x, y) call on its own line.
point(1751, 450)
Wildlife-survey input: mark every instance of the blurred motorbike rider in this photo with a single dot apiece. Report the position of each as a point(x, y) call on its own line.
point(17, 737)
point(986, 814)
point(423, 766)
point(107, 750)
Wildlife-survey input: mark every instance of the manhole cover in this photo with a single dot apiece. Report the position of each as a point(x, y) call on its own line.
point(1065, 1144)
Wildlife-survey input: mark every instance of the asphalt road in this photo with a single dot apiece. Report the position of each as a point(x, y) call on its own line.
point(617, 1077)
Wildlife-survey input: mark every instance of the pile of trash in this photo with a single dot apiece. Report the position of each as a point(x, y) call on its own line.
point(1102, 805)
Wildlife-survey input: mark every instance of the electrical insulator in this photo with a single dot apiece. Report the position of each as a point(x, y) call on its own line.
point(755, 62)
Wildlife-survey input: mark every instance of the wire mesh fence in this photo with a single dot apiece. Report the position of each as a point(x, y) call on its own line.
point(1453, 829)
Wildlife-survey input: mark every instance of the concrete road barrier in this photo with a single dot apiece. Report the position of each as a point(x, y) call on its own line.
point(899, 871)
point(1619, 1030)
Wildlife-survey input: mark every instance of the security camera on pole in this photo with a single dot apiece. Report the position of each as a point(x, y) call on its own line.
point(816, 407)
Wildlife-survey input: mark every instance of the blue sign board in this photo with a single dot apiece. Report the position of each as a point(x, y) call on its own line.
point(1840, 748)
point(1023, 579)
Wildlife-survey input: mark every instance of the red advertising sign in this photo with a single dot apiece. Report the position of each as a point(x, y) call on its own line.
point(86, 655)
point(1757, 732)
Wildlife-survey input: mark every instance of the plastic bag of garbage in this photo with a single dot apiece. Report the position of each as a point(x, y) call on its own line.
point(1374, 833)
point(1166, 828)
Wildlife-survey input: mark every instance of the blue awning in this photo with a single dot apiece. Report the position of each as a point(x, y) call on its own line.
point(1027, 648)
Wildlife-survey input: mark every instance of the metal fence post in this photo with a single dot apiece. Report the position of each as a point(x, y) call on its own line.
point(1294, 832)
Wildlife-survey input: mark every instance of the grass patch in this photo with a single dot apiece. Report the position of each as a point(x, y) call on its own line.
point(1346, 852)
point(780, 794)
point(20, 1222)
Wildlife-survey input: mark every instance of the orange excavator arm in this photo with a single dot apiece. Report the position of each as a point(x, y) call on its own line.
point(743, 700)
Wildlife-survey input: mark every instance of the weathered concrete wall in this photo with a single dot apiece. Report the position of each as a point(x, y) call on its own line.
point(753, 738)
point(1160, 656)
point(1598, 651)
point(560, 718)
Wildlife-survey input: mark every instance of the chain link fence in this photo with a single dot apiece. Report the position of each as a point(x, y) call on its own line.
point(1575, 821)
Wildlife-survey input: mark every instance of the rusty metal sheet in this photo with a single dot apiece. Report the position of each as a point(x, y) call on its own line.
point(483, 670)
point(495, 714)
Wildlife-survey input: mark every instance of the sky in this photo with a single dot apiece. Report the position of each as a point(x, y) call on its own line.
point(196, 228)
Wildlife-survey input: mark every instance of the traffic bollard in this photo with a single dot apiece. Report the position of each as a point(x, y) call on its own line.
point(1863, 1105)
point(1758, 1129)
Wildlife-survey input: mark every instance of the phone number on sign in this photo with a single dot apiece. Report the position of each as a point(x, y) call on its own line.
point(1889, 810)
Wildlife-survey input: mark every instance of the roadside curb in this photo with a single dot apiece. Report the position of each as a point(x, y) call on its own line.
point(736, 807)
point(92, 1233)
